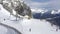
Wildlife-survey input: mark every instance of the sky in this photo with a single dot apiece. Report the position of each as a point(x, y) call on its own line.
point(46, 4)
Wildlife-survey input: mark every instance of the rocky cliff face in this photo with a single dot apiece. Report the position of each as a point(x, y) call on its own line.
point(19, 7)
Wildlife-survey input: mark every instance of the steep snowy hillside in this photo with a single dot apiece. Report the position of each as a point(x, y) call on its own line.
point(25, 26)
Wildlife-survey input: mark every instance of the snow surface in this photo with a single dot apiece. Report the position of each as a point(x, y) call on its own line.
point(25, 26)
point(5, 30)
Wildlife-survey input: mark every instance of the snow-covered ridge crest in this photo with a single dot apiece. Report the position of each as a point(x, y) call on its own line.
point(39, 10)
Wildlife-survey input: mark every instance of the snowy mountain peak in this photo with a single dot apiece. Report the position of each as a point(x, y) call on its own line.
point(55, 12)
point(39, 10)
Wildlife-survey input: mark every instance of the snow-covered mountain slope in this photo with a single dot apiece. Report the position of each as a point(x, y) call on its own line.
point(25, 26)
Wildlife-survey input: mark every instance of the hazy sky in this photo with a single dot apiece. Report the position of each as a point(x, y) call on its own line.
point(48, 4)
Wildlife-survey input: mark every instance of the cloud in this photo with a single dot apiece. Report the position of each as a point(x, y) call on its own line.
point(51, 4)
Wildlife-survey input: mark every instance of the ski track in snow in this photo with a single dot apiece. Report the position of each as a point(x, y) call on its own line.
point(23, 25)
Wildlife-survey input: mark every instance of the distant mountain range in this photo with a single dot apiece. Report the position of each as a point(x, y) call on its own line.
point(46, 14)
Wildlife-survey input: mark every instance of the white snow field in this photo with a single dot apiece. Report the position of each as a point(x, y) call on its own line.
point(25, 26)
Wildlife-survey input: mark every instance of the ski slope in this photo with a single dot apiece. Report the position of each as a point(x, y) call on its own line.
point(25, 26)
